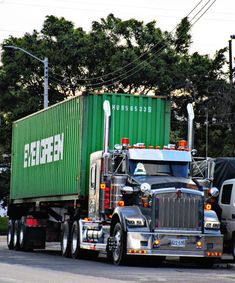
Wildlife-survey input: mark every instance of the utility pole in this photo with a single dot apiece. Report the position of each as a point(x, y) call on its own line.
point(207, 126)
point(230, 59)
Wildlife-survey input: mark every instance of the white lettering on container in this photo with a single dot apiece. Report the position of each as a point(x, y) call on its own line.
point(131, 108)
point(44, 151)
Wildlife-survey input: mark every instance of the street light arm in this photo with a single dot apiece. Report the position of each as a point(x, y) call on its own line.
point(45, 63)
point(23, 50)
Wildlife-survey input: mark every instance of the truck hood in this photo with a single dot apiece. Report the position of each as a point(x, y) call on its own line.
point(158, 182)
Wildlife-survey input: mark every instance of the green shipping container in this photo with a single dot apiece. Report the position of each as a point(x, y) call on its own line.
point(51, 148)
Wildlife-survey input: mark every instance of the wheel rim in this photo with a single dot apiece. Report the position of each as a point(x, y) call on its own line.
point(21, 236)
point(117, 249)
point(65, 242)
point(74, 241)
point(15, 237)
point(9, 237)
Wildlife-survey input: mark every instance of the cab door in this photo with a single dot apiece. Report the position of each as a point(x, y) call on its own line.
point(94, 185)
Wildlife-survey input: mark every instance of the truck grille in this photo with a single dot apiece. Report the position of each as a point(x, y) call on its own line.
point(178, 212)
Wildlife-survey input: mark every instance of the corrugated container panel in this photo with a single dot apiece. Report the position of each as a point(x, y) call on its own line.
point(80, 122)
point(51, 178)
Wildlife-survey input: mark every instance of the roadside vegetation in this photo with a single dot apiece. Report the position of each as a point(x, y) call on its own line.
point(3, 225)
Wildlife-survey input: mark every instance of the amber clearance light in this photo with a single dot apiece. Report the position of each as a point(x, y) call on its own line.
point(208, 206)
point(121, 203)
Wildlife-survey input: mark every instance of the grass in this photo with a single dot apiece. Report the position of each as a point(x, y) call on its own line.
point(3, 225)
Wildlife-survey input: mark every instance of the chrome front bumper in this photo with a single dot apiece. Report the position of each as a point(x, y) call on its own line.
point(174, 244)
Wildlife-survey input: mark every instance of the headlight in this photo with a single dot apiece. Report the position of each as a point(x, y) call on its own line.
point(212, 225)
point(211, 220)
point(135, 222)
point(146, 189)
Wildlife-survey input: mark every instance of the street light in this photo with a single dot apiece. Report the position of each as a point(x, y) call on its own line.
point(230, 59)
point(45, 62)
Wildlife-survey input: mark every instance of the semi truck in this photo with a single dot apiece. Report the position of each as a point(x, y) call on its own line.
point(74, 182)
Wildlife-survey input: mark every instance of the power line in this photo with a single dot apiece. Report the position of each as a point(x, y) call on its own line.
point(204, 12)
point(136, 59)
point(137, 68)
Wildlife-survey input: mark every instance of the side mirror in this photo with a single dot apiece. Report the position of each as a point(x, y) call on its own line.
point(214, 192)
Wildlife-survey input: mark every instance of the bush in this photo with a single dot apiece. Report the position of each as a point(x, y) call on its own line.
point(3, 225)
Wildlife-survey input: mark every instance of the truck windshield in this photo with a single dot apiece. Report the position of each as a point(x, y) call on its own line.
point(158, 168)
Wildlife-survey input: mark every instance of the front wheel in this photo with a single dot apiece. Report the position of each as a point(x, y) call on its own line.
point(65, 239)
point(76, 252)
point(119, 249)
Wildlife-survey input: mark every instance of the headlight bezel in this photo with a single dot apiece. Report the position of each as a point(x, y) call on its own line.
point(135, 222)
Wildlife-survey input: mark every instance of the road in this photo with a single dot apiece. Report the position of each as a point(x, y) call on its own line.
point(49, 266)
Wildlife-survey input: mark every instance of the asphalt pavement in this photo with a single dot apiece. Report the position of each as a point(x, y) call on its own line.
point(48, 266)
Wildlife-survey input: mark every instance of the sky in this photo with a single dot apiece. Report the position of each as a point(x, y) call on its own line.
point(210, 33)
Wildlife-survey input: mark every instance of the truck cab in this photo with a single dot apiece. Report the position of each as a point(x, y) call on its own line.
point(150, 205)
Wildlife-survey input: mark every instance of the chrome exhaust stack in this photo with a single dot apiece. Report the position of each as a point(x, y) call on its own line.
point(107, 115)
point(190, 126)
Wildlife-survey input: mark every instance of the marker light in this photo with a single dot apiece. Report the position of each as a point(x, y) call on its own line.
point(182, 143)
point(107, 198)
point(214, 254)
point(121, 203)
point(199, 244)
point(103, 186)
point(208, 206)
point(30, 221)
point(157, 242)
point(125, 141)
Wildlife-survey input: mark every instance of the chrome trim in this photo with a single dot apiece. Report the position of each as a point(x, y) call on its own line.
point(177, 209)
point(159, 155)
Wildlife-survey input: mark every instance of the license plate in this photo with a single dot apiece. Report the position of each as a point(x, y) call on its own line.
point(178, 242)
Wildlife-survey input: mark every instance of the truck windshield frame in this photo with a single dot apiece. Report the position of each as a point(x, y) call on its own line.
point(158, 168)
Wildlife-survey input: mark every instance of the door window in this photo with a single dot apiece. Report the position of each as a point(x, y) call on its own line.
point(93, 176)
point(226, 194)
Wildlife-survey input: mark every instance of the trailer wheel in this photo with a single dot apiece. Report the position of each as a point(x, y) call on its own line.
point(119, 250)
point(10, 234)
point(76, 251)
point(66, 239)
point(16, 242)
point(24, 236)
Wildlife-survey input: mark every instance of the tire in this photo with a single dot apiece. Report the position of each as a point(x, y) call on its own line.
point(233, 247)
point(119, 251)
point(10, 234)
point(76, 252)
point(66, 239)
point(24, 244)
point(16, 242)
